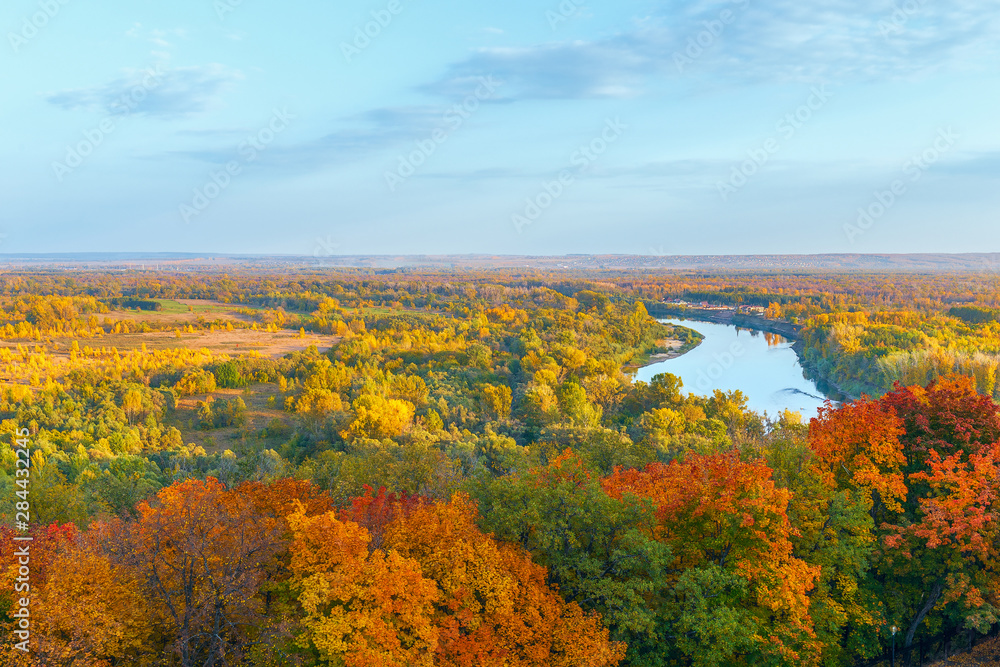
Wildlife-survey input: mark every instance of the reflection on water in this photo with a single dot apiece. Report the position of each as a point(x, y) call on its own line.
point(773, 339)
point(760, 364)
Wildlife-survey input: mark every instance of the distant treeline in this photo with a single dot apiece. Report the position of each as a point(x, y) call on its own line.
point(741, 297)
point(975, 314)
point(132, 302)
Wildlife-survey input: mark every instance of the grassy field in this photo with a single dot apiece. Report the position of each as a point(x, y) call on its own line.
point(239, 341)
point(179, 312)
point(261, 411)
point(196, 306)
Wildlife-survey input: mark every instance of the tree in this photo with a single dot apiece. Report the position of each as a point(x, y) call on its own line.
point(499, 454)
point(576, 407)
point(91, 610)
point(132, 404)
point(498, 401)
point(45, 546)
point(366, 608)
point(598, 551)
point(204, 552)
point(228, 375)
point(926, 459)
point(126, 481)
point(196, 382)
point(726, 524)
point(944, 546)
point(377, 417)
point(602, 449)
point(495, 607)
point(53, 498)
point(858, 448)
point(835, 532)
point(946, 416)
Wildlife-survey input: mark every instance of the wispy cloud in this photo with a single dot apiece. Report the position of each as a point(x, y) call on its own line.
point(158, 37)
point(178, 91)
point(853, 39)
point(368, 132)
point(777, 40)
point(552, 71)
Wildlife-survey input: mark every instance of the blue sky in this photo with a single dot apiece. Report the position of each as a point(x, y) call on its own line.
point(638, 127)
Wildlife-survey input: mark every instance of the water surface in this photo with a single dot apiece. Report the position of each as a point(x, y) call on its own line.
point(761, 365)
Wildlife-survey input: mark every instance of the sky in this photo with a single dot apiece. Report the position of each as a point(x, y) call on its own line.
point(535, 128)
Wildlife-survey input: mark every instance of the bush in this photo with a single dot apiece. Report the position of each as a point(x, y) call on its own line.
point(229, 376)
point(196, 382)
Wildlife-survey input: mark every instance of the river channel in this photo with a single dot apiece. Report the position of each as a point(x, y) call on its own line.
point(762, 365)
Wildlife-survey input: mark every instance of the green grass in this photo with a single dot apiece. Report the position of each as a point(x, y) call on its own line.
point(384, 311)
point(174, 307)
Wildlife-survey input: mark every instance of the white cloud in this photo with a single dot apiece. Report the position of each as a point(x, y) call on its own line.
point(743, 40)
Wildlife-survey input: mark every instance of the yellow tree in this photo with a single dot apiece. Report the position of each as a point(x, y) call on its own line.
point(92, 611)
point(365, 608)
point(378, 418)
point(495, 607)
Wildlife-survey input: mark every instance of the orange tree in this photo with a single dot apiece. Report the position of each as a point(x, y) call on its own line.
point(92, 611)
point(927, 462)
point(205, 553)
point(736, 595)
point(45, 545)
point(437, 592)
point(834, 531)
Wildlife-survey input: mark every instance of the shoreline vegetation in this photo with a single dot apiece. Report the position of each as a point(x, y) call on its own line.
point(726, 317)
point(677, 341)
point(735, 317)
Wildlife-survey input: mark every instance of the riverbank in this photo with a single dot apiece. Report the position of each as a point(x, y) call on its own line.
point(666, 349)
point(731, 316)
point(673, 349)
point(678, 340)
point(826, 385)
point(727, 316)
point(762, 366)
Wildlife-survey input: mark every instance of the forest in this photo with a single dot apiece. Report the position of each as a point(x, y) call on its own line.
point(456, 467)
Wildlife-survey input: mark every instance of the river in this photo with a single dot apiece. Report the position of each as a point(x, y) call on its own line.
point(761, 365)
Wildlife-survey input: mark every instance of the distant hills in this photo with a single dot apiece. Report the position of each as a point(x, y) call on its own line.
point(916, 262)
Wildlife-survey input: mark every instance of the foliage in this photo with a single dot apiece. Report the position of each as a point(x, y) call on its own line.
point(198, 505)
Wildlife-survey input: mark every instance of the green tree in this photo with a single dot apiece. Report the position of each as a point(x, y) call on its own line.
point(126, 481)
point(598, 550)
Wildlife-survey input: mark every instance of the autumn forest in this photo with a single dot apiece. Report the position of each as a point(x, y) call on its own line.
point(266, 466)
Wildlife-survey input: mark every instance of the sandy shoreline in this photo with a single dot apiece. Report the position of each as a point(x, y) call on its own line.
point(673, 347)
